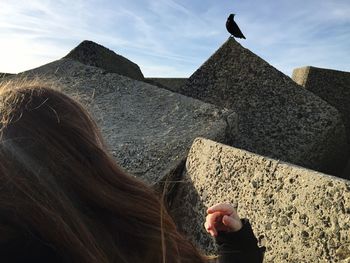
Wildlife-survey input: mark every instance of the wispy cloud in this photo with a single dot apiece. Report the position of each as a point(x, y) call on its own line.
point(174, 37)
point(302, 35)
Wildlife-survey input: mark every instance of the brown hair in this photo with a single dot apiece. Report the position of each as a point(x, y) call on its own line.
point(61, 190)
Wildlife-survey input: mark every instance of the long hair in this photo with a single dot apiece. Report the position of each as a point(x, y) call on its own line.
point(63, 196)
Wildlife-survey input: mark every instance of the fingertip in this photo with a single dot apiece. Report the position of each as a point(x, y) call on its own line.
point(226, 220)
point(222, 207)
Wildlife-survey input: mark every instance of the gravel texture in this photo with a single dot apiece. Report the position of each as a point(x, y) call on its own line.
point(299, 215)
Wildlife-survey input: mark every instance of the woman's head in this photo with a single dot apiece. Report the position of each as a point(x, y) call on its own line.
point(61, 191)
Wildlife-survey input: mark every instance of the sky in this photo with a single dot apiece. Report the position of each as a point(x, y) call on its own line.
point(172, 38)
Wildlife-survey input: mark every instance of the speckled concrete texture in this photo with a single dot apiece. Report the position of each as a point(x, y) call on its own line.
point(276, 117)
point(299, 215)
point(332, 86)
point(149, 130)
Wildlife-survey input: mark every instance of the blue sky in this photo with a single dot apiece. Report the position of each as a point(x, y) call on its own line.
point(172, 38)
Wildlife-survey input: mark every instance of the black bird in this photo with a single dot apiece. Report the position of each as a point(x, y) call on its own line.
point(233, 28)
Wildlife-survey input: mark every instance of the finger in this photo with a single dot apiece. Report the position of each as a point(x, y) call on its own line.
point(222, 207)
point(211, 219)
point(232, 223)
point(209, 229)
point(206, 227)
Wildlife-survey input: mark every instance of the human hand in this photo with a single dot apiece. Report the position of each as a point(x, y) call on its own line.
point(222, 217)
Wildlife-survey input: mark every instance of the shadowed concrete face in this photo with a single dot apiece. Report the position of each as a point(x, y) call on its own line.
point(332, 86)
point(300, 215)
point(276, 117)
point(3, 75)
point(93, 54)
point(173, 84)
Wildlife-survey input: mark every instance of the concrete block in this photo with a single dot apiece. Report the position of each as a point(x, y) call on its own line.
point(276, 117)
point(93, 54)
point(330, 85)
point(3, 75)
point(172, 84)
point(300, 215)
point(149, 130)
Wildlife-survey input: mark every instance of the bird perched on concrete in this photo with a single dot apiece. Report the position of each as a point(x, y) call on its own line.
point(233, 28)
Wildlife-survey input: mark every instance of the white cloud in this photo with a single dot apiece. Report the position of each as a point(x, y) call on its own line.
point(173, 34)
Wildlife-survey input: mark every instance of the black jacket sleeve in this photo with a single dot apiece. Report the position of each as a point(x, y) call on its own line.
point(240, 246)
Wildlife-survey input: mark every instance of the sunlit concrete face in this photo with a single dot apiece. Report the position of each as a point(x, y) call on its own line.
point(299, 215)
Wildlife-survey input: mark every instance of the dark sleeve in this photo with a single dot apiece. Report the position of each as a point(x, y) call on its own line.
point(240, 246)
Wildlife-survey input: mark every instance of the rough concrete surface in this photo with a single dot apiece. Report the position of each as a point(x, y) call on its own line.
point(3, 75)
point(299, 215)
point(93, 54)
point(332, 86)
point(149, 130)
point(276, 117)
point(173, 84)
